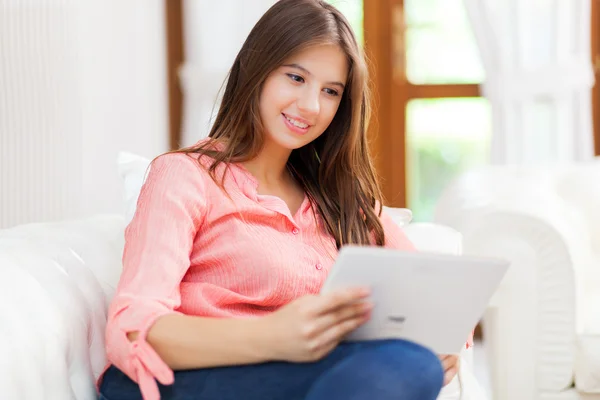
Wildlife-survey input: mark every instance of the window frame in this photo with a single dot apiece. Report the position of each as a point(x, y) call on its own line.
point(595, 32)
point(385, 44)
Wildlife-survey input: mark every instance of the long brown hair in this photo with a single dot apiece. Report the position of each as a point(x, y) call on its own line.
point(335, 170)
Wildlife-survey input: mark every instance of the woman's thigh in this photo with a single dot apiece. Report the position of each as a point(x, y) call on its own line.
point(383, 370)
point(268, 381)
point(361, 370)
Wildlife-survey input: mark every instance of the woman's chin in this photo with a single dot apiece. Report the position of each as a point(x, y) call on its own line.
point(291, 142)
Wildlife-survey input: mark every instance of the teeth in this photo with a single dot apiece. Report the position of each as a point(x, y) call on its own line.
point(296, 123)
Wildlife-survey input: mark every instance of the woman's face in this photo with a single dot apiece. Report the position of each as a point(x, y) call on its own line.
point(300, 98)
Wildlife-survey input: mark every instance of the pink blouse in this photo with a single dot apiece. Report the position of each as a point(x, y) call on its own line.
point(191, 249)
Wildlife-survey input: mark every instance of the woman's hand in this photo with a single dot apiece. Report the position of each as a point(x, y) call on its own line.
point(310, 327)
point(451, 364)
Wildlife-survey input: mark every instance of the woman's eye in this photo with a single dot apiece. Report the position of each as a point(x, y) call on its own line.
point(331, 92)
point(296, 78)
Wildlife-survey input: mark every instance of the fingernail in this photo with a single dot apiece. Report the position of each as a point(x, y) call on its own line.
point(367, 306)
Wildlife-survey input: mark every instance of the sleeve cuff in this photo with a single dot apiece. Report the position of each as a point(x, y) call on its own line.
point(148, 367)
point(145, 364)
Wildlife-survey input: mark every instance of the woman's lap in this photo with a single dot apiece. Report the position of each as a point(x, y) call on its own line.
point(381, 369)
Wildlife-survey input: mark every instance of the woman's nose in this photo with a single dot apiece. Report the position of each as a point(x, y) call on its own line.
point(309, 104)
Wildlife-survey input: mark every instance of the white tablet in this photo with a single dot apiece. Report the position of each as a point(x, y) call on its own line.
point(432, 299)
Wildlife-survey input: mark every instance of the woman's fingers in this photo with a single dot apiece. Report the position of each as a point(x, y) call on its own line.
point(331, 301)
point(450, 364)
point(328, 318)
point(337, 332)
point(355, 310)
point(448, 361)
point(449, 375)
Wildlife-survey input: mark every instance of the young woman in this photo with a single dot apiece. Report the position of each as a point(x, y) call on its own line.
point(233, 238)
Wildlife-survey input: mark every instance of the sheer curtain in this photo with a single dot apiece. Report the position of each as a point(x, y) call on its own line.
point(539, 76)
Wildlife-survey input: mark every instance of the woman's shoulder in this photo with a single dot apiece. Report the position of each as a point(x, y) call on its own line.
point(179, 165)
point(182, 173)
point(189, 165)
point(190, 156)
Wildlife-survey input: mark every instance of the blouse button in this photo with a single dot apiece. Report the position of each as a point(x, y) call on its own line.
point(319, 266)
point(295, 231)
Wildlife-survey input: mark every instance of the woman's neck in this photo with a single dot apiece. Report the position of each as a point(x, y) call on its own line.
point(270, 166)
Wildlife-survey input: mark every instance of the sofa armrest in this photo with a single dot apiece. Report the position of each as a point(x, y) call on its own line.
point(55, 280)
point(530, 325)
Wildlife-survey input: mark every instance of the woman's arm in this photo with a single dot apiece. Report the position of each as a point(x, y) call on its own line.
point(305, 330)
point(189, 342)
point(158, 241)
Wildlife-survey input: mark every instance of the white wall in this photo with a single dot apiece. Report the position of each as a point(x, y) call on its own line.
point(80, 80)
point(214, 33)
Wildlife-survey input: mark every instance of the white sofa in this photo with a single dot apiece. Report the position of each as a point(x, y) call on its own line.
point(56, 280)
point(542, 329)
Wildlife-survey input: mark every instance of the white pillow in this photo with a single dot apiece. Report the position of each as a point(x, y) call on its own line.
point(133, 170)
point(401, 216)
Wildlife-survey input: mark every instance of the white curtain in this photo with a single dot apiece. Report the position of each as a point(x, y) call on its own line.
point(214, 32)
point(539, 76)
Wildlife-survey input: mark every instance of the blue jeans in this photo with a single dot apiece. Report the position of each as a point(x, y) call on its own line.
point(376, 370)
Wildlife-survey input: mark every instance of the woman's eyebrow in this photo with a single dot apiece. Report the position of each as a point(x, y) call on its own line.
point(307, 72)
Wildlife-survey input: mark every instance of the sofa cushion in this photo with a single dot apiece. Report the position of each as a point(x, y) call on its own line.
point(55, 284)
point(587, 363)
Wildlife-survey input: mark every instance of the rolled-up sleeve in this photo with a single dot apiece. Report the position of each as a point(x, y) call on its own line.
point(158, 243)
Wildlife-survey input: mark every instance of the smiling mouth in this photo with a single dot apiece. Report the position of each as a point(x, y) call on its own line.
point(296, 123)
